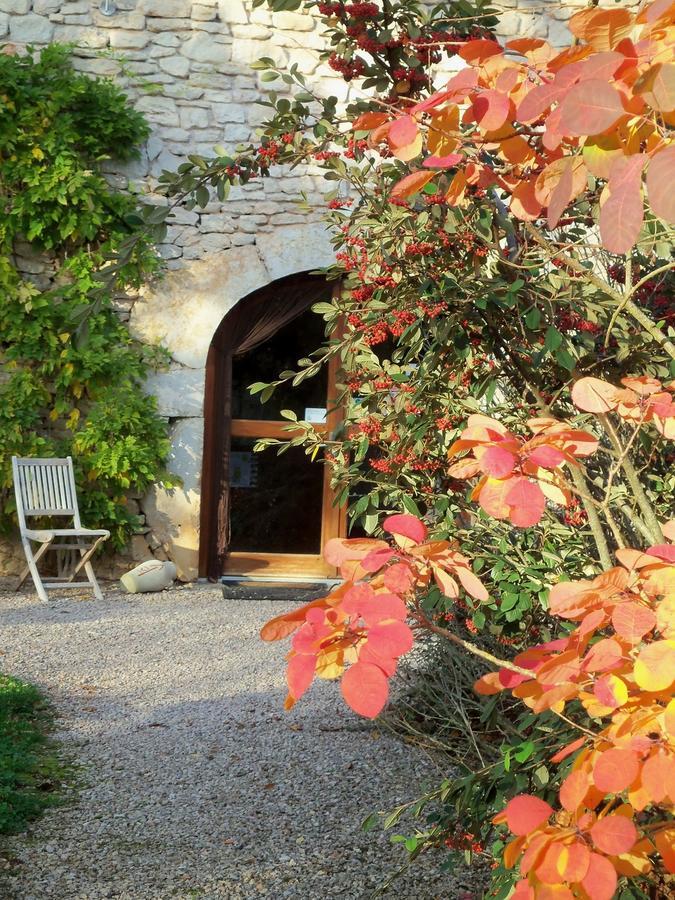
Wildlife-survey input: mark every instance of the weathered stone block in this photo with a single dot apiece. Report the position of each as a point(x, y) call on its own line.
point(129, 40)
point(193, 117)
point(153, 24)
point(102, 67)
point(202, 47)
point(18, 7)
point(289, 21)
point(166, 39)
point(166, 8)
point(173, 515)
point(295, 248)
point(175, 65)
point(203, 13)
point(30, 29)
point(232, 11)
point(162, 108)
point(83, 36)
point(179, 392)
point(133, 21)
point(4, 24)
point(186, 307)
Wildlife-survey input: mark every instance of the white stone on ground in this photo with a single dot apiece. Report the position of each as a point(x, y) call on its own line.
point(196, 783)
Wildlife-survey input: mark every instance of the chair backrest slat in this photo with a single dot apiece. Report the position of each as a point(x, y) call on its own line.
point(45, 487)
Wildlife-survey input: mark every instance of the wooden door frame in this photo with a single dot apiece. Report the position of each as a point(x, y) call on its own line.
point(217, 422)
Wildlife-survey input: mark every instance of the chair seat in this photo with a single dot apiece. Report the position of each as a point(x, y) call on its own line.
point(46, 534)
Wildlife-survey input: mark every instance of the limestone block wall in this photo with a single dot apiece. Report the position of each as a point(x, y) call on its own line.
point(186, 65)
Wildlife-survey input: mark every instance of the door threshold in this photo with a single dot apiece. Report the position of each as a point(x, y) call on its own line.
point(288, 589)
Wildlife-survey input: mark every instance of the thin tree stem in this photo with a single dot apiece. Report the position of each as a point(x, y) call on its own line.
point(633, 480)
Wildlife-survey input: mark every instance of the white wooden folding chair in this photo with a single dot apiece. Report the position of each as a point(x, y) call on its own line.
point(46, 487)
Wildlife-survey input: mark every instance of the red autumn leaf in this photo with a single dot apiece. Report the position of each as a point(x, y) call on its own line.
point(410, 185)
point(373, 608)
point(615, 770)
point(497, 462)
point(659, 187)
point(399, 578)
point(365, 689)
point(376, 559)
point(590, 108)
point(491, 109)
point(568, 750)
point(610, 691)
point(403, 131)
point(299, 674)
point(546, 457)
point(614, 834)
point(390, 638)
point(443, 162)
point(594, 395)
point(621, 206)
point(407, 526)
point(606, 654)
point(387, 663)
point(601, 879)
point(632, 621)
point(524, 813)
point(573, 790)
point(537, 101)
point(527, 503)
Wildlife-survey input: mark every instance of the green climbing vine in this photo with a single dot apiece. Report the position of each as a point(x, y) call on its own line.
point(65, 391)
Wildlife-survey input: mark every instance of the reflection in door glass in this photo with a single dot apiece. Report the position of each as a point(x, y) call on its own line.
point(276, 501)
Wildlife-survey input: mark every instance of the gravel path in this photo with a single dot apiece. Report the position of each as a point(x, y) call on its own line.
point(196, 783)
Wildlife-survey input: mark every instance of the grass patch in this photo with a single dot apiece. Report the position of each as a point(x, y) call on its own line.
point(31, 773)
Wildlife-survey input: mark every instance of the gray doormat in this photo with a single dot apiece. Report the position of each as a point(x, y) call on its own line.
point(289, 593)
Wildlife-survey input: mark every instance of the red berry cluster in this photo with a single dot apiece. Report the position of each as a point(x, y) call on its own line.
point(347, 68)
point(268, 153)
point(575, 514)
point(572, 321)
point(463, 840)
point(339, 203)
point(420, 248)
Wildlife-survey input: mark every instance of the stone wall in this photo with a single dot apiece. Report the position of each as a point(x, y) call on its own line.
point(186, 65)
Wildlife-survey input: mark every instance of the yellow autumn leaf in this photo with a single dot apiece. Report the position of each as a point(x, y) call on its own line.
point(654, 668)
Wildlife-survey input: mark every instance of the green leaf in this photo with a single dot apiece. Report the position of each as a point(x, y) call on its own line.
point(553, 338)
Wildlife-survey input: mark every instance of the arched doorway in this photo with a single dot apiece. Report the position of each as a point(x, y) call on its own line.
point(264, 514)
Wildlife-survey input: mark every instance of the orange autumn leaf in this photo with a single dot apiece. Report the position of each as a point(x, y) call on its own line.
point(615, 770)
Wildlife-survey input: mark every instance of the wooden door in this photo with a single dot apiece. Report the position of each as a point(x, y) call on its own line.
point(282, 509)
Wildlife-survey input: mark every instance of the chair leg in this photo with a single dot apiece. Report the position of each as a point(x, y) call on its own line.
point(88, 568)
point(32, 560)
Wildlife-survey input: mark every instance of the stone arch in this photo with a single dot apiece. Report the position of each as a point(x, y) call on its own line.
point(183, 312)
